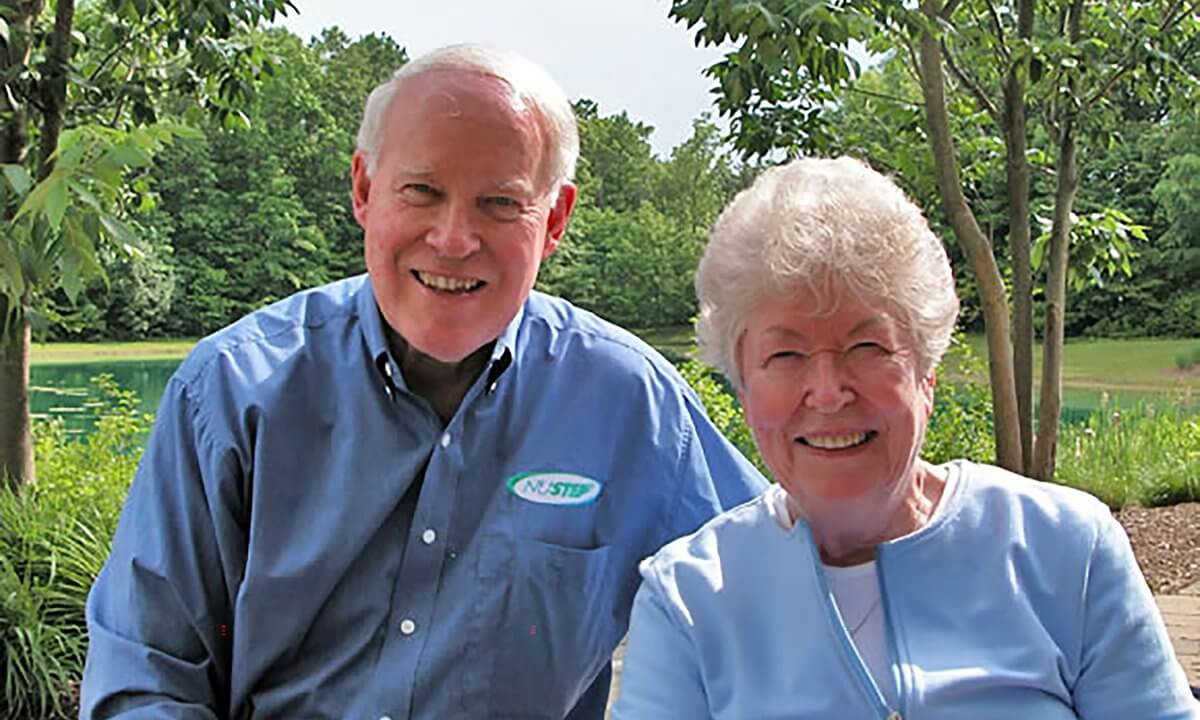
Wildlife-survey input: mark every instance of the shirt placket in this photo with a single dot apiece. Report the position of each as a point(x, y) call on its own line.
point(413, 596)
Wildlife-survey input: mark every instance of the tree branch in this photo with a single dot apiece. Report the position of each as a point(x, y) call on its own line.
point(976, 90)
point(1181, 10)
point(947, 11)
point(889, 98)
point(999, 27)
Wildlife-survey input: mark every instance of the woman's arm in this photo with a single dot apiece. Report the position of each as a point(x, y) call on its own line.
point(660, 677)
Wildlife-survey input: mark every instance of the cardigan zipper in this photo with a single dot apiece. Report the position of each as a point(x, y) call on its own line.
point(870, 688)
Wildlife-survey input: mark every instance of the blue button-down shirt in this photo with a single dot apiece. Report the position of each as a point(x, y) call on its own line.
point(305, 538)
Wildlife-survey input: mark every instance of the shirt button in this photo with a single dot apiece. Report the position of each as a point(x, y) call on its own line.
point(445, 439)
point(407, 627)
point(386, 717)
point(428, 536)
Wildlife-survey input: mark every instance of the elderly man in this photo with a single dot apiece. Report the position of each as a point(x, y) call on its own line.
point(421, 493)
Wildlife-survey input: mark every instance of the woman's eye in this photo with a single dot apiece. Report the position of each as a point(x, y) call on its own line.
point(784, 356)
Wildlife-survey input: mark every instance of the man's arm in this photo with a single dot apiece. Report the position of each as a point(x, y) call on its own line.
point(713, 475)
point(158, 615)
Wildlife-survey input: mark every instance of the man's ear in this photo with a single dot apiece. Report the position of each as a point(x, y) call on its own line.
point(560, 215)
point(927, 386)
point(360, 187)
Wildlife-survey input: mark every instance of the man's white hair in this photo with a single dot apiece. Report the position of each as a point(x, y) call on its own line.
point(528, 81)
point(824, 226)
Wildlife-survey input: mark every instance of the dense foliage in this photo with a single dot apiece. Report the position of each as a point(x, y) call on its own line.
point(54, 537)
point(251, 212)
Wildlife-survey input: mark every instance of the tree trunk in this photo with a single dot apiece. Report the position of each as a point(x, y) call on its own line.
point(14, 141)
point(1016, 142)
point(16, 444)
point(976, 246)
point(54, 86)
point(1046, 448)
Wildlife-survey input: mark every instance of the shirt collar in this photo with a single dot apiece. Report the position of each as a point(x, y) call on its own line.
point(503, 354)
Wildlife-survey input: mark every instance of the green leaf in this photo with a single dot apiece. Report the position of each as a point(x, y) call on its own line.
point(56, 201)
point(82, 247)
point(18, 177)
point(4, 31)
point(121, 233)
point(12, 281)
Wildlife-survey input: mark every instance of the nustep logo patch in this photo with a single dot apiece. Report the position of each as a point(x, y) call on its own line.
point(555, 488)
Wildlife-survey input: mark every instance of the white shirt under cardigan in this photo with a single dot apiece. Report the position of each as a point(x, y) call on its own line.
point(856, 595)
point(1019, 599)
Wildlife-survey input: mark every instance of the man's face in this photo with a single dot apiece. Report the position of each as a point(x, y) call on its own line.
point(457, 216)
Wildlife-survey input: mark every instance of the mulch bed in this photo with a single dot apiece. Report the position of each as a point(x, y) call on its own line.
point(1166, 542)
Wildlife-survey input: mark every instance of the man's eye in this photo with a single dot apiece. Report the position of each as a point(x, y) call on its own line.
point(501, 207)
point(420, 193)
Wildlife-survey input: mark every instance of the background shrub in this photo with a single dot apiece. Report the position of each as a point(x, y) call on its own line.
point(1142, 457)
point(55, 535)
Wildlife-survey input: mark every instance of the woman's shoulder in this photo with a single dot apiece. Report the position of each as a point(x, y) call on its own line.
point(727, 540)
point(1000, 497)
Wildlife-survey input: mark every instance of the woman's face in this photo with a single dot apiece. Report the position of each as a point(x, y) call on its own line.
point(835, 402)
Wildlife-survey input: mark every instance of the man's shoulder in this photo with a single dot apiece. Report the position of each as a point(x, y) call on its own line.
point(294, 324)
point(559, 326)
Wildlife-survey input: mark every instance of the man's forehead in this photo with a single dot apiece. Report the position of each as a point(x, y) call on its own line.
point(452, 92)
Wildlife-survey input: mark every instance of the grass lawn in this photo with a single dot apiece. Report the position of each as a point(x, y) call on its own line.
point(72, 353)
point(1134, 365)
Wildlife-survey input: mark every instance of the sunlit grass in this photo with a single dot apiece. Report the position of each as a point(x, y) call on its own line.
point(73, 353)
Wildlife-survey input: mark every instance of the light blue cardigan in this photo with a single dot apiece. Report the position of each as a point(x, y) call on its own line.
point(1019, 600)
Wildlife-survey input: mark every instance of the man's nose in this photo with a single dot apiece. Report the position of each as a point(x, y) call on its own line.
point(454, 234)
point(827, 387)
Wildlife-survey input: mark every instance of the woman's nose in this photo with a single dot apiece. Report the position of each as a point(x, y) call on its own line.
point(827, 388)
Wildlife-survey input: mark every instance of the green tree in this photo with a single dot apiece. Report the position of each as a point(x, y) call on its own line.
point(617, 168)
point(1061, 61)
point(119, 70)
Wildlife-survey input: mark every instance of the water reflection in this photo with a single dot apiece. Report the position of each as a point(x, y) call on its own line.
point(66, 391)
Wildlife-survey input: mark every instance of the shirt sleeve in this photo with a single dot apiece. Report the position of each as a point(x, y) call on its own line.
point(660, 677)
point(158, 613)
point(714, 475)
point(1128, 668)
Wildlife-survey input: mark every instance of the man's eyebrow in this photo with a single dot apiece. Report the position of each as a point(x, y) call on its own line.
point(413, 173)
point(514, 187)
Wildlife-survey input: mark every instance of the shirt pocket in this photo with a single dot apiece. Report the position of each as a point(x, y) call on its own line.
point(550, 625)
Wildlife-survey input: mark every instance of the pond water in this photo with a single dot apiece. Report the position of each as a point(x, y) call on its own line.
point(66, 391)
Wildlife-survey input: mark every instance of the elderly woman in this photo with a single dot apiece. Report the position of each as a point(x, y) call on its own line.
point(869, 583)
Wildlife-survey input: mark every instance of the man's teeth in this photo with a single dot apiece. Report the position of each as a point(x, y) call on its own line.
point(836, 442)
point(449, 284)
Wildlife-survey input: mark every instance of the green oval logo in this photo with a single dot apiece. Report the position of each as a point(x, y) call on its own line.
point(555, 488)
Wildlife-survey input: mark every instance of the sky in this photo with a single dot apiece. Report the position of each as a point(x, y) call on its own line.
point(624, 54)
